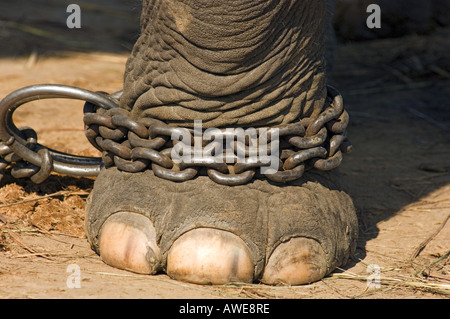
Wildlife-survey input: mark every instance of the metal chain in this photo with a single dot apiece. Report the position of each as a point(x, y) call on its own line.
point(134, 146)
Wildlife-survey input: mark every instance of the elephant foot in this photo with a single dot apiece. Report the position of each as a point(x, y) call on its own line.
point(128, 242)
point(298, 261)
point(202, 232)
point(210, 256)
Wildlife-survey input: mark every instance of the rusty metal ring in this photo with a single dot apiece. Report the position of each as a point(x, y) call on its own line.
point(174, 176)
point(116, 148)
point(230, 179)
point(23, 170)
point(240, 167)
point(135, 127)
point(335, 143)
point(327, 115)
point(309, 141)
point(133, 166)
point(152, 155)
point(46, 166)
point(329, 163)
point(154, 143)
point(340, 124)
point(287, 176)
point(208, 162)
point(302, 156)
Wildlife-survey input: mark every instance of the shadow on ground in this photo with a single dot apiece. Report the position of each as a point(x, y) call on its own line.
point(397, 93)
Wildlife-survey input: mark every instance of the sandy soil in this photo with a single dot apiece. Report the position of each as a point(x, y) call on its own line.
point(396, 91)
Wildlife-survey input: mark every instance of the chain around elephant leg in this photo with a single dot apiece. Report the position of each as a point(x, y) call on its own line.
point(228, 156)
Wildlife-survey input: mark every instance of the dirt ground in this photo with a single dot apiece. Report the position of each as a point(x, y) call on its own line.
point(397, 92)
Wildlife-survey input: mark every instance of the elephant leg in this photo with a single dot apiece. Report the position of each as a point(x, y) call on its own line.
point(244, 64)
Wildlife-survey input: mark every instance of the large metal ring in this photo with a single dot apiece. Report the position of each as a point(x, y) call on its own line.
point(63, 163)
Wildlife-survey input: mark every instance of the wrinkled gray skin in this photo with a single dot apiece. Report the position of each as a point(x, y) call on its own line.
point(230, 63)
